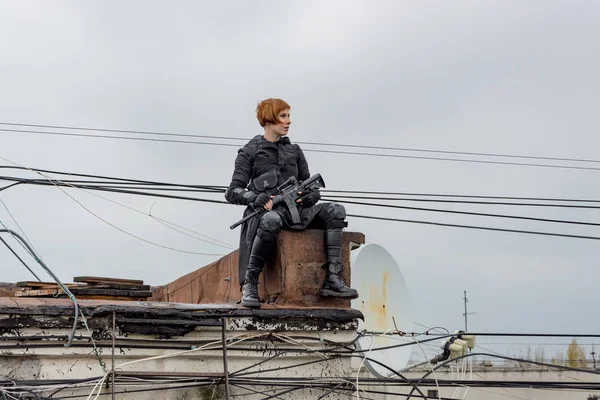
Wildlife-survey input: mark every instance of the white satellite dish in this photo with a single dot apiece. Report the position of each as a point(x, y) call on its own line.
point(383, 299)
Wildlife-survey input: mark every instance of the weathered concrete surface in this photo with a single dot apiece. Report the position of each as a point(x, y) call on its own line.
point(34, 356)
point(501, 385)
point(292, 277)
point(166, 320)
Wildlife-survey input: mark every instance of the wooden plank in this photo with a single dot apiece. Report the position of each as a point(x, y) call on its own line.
point(113, 298)
point(122, 286)
point(111, 292)
point(38, 292)
point(47, 285)
point(34, 284)
point(99, 279)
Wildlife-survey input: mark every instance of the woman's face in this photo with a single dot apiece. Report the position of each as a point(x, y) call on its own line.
point(282, 128)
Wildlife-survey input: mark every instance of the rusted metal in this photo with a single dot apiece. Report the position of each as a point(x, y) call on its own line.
point(225, 368)
point(293, 276)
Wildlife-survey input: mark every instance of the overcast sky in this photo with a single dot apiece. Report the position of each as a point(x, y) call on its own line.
point(500, 77)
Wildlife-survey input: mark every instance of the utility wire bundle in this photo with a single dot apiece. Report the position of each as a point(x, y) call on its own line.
point(372, 199)
point(257, 378)
point(316, 147)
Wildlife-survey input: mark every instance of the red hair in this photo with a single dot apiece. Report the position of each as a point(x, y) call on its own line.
point(267, 111)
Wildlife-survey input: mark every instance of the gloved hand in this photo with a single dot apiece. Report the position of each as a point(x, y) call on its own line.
point(309, 199)
point(260, 201)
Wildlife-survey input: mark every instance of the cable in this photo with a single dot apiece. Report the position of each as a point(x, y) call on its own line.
point(133, 181)
point(17, 224)
point(164, 222)
point(113, 225)
point(453, 195)
point(470, 202)
point(485, 228)
point(221, 189)
point(366, 355)
point(378, 218)
point(559, 221)
point(20, 259)
point(502, 357)
point(430, 366)
point(244, 336)
point(408, 149)
point(307, 150)
point(64, 289)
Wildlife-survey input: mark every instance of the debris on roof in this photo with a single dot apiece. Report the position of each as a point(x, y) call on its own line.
point(88, 288)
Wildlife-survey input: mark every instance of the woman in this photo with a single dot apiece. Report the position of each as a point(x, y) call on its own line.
point(263, 164)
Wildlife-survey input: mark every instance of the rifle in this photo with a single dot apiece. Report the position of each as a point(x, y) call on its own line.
point(288, 194)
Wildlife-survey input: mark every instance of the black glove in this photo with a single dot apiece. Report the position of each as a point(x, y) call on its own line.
point(309, 199)
point(260, 201)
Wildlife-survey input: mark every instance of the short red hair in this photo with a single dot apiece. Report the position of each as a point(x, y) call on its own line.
point(267, 111)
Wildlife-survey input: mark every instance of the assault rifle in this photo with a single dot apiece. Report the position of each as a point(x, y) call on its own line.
point(288, 194)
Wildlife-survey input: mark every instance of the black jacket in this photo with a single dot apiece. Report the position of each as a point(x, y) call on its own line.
point(261, 166)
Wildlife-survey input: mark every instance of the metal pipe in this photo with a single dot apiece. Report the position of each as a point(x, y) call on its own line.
point(112, 356)
point(225, 369)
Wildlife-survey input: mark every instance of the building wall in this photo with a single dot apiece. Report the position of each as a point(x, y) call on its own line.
point(497, 393)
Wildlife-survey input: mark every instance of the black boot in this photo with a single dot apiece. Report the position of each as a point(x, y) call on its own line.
point(261, 250)
point(334, 284)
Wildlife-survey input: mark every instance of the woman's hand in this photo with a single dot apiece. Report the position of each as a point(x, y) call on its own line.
point(263, 200)
point(309, 199)
point(269, 204)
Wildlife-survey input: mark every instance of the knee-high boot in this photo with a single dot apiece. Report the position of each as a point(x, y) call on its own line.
point(261, 250)
point(334, 284)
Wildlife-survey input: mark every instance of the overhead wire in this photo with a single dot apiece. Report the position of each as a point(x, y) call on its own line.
point(382, 193)
point(220, 189)
point(485, 228)
point(20, 259)
point(468, 202)
point(400, 220)
point(407, 149)
point(305, 382)
point(332, 193)
point(398, 156)
point(111, 224)
point(479, 214)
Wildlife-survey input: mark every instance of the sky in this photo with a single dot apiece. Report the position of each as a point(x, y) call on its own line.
point(507, 77)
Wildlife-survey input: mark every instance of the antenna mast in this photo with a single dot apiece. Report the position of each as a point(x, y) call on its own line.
point(465, 314)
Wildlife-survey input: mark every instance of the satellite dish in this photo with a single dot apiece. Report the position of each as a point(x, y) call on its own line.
point(383, 299)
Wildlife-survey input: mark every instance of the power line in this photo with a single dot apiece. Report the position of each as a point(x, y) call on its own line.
point(125, 131)
point(485, 228)
point(466, 196)
point(463, 160)
point(118, 137)
point(221, 189)
point(58, 184)
point(559, 221)
point(20, 259)
point(467, 202)
point(407, 149)
point(137, 192)
point(128, 180)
